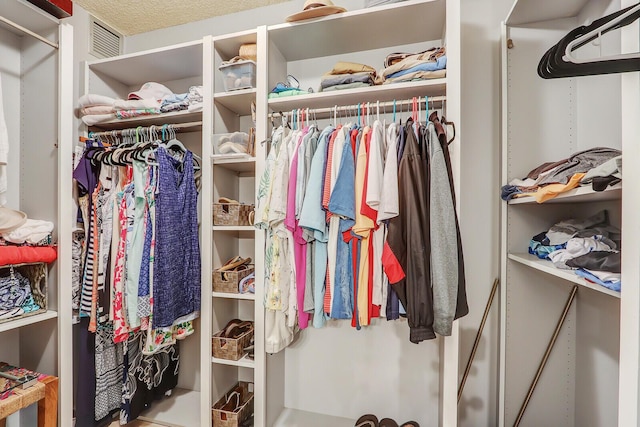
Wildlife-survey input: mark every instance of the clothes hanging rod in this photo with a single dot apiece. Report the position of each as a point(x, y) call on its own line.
point(118, 132)
point(28, 31)
point(372, 106)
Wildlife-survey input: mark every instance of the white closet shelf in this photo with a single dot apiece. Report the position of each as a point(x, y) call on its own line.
point(182, 409)
point(156, 119)
point(233, 228)
point(29, 320)
point(547, 266)
point(397, 91)
point(238, 164)
point(529, 11)
point(238, 101)
point(577, 195)
point(421, 20)
point(175, 62)
point(228, 45)
point(27, 15)
point(242, 363)
point(296, 418)
point(249, 297)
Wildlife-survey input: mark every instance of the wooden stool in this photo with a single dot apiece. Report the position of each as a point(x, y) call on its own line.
point(45, 393)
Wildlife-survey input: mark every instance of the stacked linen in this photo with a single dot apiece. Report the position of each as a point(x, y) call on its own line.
point(588, 246)
point(94, 109)
point(405, 67)
point(348, 75)
point(599, 167)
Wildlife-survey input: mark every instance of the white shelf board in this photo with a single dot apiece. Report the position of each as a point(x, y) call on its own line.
point(382, 93)
point(547, 266)
point(228, 45)
point(296, 418)
point(175, 117)
point(242, 363)
point(423, 20)
point(238, 164)
point(577, 195)
point(29, 320)
point(234, 228)
point(173, 62)
point(181, 409)
point(238, 101)
point(27, 15)
point(228, 295)
point(529, 11)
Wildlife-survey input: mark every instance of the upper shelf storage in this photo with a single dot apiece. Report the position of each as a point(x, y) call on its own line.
point(529, 11)
point(27, 15)
point(176, 62)
point(336, 34)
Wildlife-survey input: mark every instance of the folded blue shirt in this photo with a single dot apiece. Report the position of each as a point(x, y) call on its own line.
point(613, 285)
point(439, 64)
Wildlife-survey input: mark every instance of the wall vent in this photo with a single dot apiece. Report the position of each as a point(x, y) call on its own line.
point(104, 42)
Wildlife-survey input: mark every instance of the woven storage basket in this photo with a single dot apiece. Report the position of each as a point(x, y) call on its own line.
point(233, 419)
point(249, 51)
point(227, 281)
point(232, 214)
point(37, 275)
point(230, 348)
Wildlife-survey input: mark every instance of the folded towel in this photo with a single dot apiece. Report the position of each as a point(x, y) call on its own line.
point(92, 99)
point(32, 232)
point(97, 109)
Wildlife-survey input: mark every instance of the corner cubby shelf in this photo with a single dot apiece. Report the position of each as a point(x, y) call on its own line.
point(237, 164)
point(29, 320)
point(238, 101)
point(244, 362)
point(547, 266)
point(249, 297)
point(233, 228)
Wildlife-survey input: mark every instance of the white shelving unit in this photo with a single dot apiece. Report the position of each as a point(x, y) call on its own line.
point(591, 376)
point(37, 83)
point(178, 67)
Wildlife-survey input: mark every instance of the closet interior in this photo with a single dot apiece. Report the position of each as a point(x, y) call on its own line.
point(37, 83)
point(590, 377)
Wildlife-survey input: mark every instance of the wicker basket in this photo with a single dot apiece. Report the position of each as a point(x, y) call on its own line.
point(228, 281)
point(232, 214)
point(37, 275)
point(233, 419)
point(248, 51)
point(230, 348)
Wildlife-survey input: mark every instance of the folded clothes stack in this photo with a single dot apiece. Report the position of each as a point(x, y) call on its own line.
point(405, 67)
point(588, 246)
point(290, 87)
point(599, 167)
point(348, 75)
point(152, 98)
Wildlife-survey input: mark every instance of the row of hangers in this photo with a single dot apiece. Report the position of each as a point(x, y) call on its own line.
point(362, 113)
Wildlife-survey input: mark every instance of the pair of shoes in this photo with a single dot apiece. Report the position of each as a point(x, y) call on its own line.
point(370, 420)
point(235, 264)
point(235, 328)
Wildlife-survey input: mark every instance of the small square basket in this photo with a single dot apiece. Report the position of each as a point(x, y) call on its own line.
point(232, 214)
point(228, 281)
point(223, 418)
point(230, 348)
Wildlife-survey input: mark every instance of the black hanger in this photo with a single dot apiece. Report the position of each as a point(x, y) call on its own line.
point(555, 64)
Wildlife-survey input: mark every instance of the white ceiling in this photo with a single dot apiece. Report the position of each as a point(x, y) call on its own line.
point(139, 16)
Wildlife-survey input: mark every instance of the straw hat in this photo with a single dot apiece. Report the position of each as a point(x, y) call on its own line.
point(11, 219)
point(316, 9)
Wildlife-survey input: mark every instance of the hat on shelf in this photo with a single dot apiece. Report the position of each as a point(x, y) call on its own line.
point(151, 90)
point(11, 219)
point(316, 9)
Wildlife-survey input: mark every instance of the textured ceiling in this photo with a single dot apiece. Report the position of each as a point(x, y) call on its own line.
point(139, 16)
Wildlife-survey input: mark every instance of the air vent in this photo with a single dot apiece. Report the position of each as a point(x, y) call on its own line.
point(104, 41)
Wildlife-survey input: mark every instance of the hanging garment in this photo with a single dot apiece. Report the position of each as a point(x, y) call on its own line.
point(176, 291)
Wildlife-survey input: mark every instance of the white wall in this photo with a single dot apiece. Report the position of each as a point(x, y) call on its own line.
point(480, 165)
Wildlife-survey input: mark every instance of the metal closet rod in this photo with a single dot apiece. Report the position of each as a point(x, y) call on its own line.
point(28, 31)
point(372, 106)
point(119, 132)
